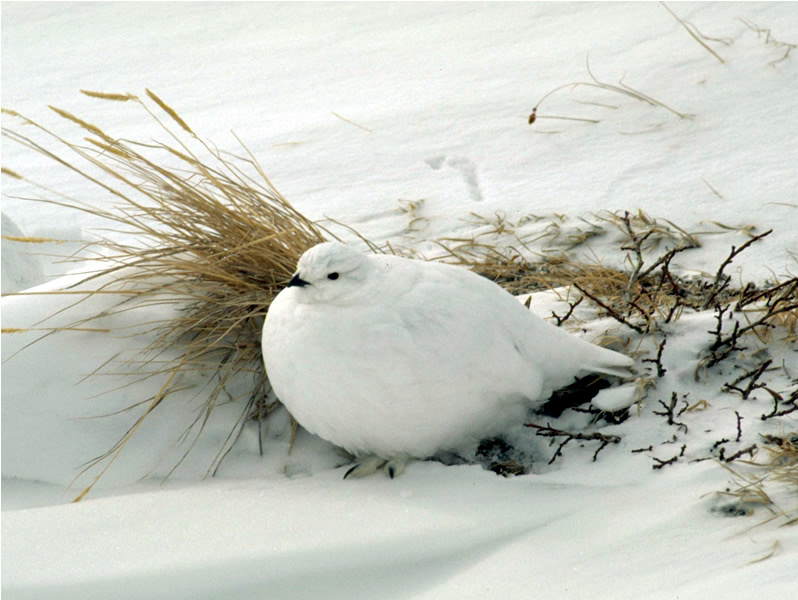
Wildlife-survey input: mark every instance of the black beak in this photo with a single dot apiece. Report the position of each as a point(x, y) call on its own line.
point(297, 281)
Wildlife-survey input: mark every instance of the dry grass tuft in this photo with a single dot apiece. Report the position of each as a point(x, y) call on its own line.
point(644, 292)
point(783, 458)
point(210, 233)
point(756, 484)
point(636, 297)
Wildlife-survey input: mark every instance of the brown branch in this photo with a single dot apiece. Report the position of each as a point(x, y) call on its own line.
point(739, 426)
point(664, 463)
point(658, 360)
point(671, 414)
point(612, 312)
point(564, 318)
point(722, 280)
point(750, 451)
point(753, 375)
point(550, 432)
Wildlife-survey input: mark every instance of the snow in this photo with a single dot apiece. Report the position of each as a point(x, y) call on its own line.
point(435, 532)
point(361, 112)
point(21, 270)
point(616, 398)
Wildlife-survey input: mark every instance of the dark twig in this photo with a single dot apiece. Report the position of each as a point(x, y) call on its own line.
point(676, 291)
point(780, 413)
point(764, 321)
point(750, 451)
point(753, 376)
point(658, 360)
point(721, 279)
point(720, 443)
point(612, 312)
point(550, 432)
point(637, 247)
point(778, 402)
point(739, 426)
point(729, 342)
point(785, 301)
point(664, 463)
point(671, 414)
point(564, 318)
point(751, 294)
point(665, 260)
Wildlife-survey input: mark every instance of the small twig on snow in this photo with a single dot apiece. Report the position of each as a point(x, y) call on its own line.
point(550, 432)
point(750, 451)
point(753, 375)
point(658, 360)
point(612, 312)
point(671, 414)
point(739, 426)
point(564, 318)
point(664, 463)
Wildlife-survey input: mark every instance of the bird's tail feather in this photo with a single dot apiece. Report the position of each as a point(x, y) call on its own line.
point(610, 362)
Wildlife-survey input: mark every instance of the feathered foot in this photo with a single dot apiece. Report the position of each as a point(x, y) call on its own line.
point(371, 464)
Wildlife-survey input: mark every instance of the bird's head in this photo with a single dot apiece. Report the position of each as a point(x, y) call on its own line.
point(330, 272)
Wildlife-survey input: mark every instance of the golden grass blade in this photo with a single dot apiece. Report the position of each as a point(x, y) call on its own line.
point(123, 442)
point(170, 111)
point(87, 126)
point(26, 330)
point(688, 27)
point(774, 547)
point(30, 240)
point(107, 96)
point(11, 173)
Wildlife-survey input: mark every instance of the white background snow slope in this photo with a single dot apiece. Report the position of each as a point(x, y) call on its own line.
point(354, 109)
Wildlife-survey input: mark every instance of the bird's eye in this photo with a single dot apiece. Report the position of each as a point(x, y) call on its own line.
point(332, 276)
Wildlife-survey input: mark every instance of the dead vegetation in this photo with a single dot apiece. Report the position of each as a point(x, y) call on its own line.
point(696, 34)
point(621, 88)
point(647, 298)
point(569, 436)
point(765, 34)
point(210, 233)
point(781, 49)
point(754, 481)
point(646, 295)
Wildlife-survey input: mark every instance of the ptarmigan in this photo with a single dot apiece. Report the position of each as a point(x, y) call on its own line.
point(396, 359)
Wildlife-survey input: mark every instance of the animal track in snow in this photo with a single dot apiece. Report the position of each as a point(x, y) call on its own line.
point(467, 169)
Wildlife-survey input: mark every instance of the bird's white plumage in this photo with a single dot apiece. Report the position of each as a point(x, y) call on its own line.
point(391, 357)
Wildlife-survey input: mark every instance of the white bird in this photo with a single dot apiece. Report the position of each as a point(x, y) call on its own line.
point(395, 359)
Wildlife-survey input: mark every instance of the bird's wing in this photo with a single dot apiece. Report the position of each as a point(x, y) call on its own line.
point(468, 328)
point(496, 335)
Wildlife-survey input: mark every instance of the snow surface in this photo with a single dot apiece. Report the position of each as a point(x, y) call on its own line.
point(355, 110)
point(21, 269)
